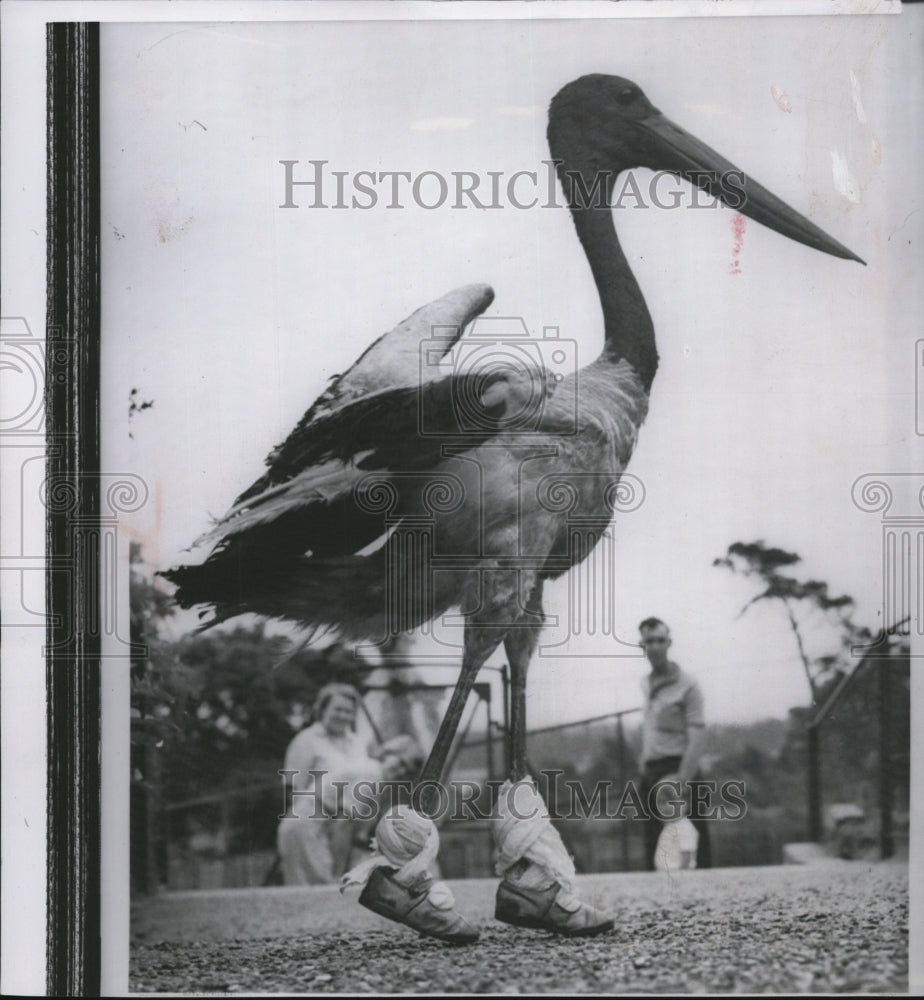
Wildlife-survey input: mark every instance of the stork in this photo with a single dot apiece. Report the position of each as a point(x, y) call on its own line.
point(308, 541)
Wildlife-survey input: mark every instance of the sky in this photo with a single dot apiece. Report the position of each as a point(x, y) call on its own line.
point(785, 374)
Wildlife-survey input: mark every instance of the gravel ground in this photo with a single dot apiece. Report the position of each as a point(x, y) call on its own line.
point(833, 927)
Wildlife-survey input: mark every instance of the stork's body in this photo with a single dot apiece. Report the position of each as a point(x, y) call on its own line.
point(308, 541)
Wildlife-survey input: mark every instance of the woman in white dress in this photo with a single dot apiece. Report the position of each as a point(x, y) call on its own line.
point(315, 847)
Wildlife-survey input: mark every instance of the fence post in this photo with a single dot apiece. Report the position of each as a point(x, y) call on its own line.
point(621, 766)
point(886, 842)
point(505, 682)
point(814, 783)
point(145, 822)
point(489, 734)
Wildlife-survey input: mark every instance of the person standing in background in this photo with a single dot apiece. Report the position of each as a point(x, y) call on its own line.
point(315, 845)
point(672, 736)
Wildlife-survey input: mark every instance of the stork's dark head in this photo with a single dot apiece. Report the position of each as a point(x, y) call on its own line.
point(601, 123)
point(596, 118)
point(607, 100)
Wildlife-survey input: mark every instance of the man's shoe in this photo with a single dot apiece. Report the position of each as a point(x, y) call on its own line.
point(538, 909)
point(383, 895)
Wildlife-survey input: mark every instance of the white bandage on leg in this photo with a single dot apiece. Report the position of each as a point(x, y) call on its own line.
point(530, 852)
point(408, 842)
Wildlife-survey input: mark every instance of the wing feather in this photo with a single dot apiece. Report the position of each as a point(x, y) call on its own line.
point(397, 429)
point(391, 362)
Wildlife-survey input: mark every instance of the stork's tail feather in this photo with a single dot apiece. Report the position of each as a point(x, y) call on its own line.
point(362, 597)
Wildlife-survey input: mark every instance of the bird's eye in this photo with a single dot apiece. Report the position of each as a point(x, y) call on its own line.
point(627, 95)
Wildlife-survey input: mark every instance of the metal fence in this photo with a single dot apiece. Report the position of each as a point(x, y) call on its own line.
point(858, 759)
point(227, 839)
point(858, 777)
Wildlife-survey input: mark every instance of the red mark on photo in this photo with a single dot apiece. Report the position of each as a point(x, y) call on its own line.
point(782, 99)
point(739, 224)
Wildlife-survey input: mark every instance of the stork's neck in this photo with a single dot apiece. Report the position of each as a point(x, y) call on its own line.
point(629, 332)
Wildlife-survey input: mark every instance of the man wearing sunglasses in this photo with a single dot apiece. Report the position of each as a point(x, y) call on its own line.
point(672, 739)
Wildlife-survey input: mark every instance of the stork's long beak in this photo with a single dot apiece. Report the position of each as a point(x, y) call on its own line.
point(673, 148)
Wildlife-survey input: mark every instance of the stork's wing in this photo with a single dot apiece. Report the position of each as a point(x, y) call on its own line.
point(307, 542)
point(318, 504)
point(306, 500)
point(392, 362)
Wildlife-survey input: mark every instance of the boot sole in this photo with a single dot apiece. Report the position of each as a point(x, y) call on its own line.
point(536, 924)
point(390, 914)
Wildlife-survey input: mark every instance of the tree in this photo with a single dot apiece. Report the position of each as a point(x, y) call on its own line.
point(211, 717)
point(250, 693)
point(158, 682)
point(802, 601)
point(216, 707)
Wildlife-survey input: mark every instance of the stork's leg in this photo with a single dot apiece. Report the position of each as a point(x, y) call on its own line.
point(408, 894)
point(480, 643)
point(520, 644)
point(537, 889)
point(404, 890)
